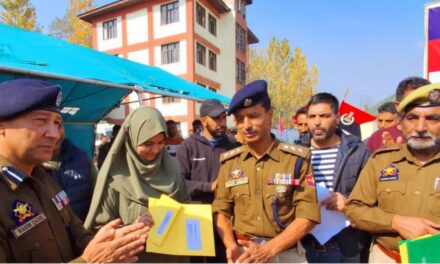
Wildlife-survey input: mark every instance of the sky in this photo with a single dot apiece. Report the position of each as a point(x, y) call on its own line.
point(367, 46)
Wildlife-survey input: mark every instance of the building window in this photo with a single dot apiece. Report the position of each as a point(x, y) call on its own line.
point(110, 30)
point(200, 15)
point(201, 84)
point(170, 100)
point(170, 53)
point(212, 61)
point(240, 39)
point(241, 72)
point(240, 6)
point(169, 13)
point(212, 89)
point(212, 25)
point(201, 54)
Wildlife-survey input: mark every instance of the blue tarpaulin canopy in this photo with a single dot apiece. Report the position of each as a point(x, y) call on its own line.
point(93, 83)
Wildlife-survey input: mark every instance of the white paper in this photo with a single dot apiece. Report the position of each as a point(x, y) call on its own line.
point(332, 222)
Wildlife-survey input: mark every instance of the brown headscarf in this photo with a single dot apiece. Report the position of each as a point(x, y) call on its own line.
point(128, 174)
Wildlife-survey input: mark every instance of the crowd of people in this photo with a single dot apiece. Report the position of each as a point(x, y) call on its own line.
point(57, 207)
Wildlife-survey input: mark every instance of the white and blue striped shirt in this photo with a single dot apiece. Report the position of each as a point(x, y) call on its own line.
point(323, 162)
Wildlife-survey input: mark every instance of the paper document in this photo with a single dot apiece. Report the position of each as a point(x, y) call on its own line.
point(332, 222)
point(191, 233)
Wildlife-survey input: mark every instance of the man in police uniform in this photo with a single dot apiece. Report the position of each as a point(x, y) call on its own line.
point(398, 193)
point(37, 223)
point(266, 192)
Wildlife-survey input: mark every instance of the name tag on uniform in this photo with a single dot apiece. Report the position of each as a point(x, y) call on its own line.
point(236, 182)
point(390, 173)
point(24, 228)
point(60, 200)
point(25, 218)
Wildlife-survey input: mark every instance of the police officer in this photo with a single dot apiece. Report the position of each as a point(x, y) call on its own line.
point(37, 223)
point(266, 198)
point(398, 193)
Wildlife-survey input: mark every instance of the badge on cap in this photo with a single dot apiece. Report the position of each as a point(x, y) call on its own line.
point(58, 101)
point(237, 178)
point(434, 96)
point(25, 218)
point(390, 173)
point(60, 200)
point(247, 102)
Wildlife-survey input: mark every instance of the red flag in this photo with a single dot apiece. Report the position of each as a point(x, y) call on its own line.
point(280, 126)
point(350, 114)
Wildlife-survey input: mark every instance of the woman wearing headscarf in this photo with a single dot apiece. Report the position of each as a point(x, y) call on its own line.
point(136, 168)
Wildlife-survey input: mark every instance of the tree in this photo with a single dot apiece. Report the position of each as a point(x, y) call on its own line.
point(70, 27)
point(290, 82)
point(18, 13)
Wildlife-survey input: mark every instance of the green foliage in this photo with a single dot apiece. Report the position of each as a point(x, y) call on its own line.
point(290, 81)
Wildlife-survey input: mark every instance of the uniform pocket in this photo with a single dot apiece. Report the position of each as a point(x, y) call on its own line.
point(391, 195)
point(242, 199)
point(283, 193)
point(434, 202)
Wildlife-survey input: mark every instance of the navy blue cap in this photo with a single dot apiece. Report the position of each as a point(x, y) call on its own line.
point(250, 95)
point(23, 95)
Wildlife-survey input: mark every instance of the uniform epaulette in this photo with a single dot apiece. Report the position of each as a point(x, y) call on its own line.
point(231, 153)
point(294, 149)
point(388, 149)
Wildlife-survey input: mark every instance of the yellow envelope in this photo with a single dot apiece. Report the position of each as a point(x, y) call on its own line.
point(191, 233)
point(164, 213)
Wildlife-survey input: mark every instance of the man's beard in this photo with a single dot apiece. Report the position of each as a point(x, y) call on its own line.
point(426, 145)
point(326, 135)
point(214, 133)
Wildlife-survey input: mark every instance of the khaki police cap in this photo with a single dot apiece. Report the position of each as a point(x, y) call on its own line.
point(425, 96)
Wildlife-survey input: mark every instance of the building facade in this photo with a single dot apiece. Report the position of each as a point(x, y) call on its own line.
point(202, 41)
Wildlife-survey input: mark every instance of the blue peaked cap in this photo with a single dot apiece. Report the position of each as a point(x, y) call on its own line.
point(250, 95)
point(23, 95)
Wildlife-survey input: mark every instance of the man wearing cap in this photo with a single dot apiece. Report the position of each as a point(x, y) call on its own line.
point(199, 157)
point(265, 201)
point(397, 195)
point(37, 223)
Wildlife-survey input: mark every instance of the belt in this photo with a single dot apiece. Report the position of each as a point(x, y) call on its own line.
point(390, 253)
point(310, 241)
point(255, 239)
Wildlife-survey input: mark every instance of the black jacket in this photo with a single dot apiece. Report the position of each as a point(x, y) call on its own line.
point(351, 159)
point(200, 163)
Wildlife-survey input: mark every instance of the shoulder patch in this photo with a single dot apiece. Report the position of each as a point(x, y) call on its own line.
point(389, 149)
point(294, 149)
point(231, 153)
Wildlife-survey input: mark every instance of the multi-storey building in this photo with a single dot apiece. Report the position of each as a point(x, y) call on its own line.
point(202, 41)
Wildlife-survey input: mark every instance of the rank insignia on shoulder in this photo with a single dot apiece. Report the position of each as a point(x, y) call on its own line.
point(310, 180)
point(231, 153)
point(390, 173)
point(236, 178)
point(60, 200)
point(25, 218)
point(294, 149)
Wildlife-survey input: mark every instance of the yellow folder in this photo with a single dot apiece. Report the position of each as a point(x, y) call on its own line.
point(190, 234)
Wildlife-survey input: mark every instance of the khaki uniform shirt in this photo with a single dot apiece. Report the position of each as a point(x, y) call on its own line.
point(244, 194)
point(32, 229)
point(394, 182)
